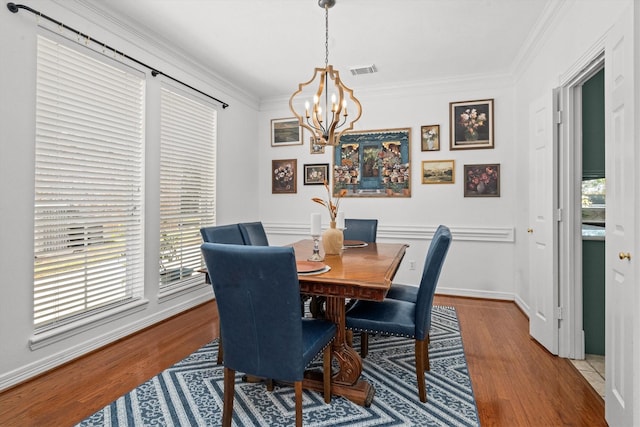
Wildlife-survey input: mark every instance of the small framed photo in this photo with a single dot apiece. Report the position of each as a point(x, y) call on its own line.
point(482, 180)
point(430, 137)
point(438, 172)
point(316, 174)
point(471, 124)
point(315, 148)
point(285, 132)
point(284, 176)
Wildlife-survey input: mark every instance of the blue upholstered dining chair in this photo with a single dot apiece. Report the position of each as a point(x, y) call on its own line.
point(406, 318)
point(360, 229)
point(408, 292)
point(229, 234)
point(263, 331)
point(253, 233)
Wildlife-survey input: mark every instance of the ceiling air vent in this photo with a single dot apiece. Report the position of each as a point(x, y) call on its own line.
point(367, 69)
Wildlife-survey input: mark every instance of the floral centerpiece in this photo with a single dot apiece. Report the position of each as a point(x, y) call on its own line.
point(332, 238)
point(470, 120)
point(331, 203)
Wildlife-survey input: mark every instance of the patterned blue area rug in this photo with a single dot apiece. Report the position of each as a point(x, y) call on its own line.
point(190, 392)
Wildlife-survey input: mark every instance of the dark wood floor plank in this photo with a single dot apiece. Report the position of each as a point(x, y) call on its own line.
point(516, 382)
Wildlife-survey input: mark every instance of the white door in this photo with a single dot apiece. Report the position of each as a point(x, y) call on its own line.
point(621, 294)
point(543, 216)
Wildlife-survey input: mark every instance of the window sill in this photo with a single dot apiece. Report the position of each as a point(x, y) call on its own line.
point(44, 338)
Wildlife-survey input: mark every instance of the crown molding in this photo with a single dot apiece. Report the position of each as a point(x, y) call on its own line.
point(155, 43)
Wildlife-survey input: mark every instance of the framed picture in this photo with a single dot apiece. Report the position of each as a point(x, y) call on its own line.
point(373, 163)
point(430, 138)
point(316, 174)
point(482, 180)
point(315, 148)
point(284, 176)
point(285, 132)
point(471, 124)
point(438, 172)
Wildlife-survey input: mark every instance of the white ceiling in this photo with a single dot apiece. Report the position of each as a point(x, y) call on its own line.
point(267, 47)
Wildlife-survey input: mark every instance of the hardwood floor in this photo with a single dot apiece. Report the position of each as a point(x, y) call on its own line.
point(516, 382)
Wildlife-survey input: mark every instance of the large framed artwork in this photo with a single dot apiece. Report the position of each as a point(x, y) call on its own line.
point(285, 132)
point(284, 176)
point(471, 124)
point(482, 180)
point(373, 163)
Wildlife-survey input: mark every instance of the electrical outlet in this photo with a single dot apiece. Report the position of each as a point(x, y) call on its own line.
point(412, 265)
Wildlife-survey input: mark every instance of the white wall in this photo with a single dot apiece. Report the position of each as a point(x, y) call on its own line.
point(236, 177)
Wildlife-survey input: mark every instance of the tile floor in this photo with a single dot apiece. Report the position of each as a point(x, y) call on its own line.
point(592, 368)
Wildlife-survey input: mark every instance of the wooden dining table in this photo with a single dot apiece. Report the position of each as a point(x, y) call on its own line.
point(365, 273)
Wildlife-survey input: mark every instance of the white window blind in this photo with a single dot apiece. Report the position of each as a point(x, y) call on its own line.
point(187, 186)
point(88, 184)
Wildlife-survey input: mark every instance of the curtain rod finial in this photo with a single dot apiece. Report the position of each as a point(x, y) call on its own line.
point(12, 7)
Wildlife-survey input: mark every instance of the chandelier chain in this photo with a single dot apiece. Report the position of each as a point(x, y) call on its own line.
point(326, 35)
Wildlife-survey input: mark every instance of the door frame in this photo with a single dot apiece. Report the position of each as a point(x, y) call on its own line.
point(571, 334)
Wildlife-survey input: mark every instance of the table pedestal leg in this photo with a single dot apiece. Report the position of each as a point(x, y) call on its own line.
point(346, 381)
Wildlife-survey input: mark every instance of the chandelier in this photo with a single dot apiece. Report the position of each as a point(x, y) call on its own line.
point(333, 103)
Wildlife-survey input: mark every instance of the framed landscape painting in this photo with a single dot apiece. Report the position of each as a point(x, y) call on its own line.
point(285, 132)
point(482, 180)
point(283, 176)
point(471, 124)
point(438, 172)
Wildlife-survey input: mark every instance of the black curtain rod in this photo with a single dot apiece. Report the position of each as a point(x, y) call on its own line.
point(16, 7)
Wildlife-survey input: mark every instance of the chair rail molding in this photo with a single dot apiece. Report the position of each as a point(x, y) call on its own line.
point(410, 232)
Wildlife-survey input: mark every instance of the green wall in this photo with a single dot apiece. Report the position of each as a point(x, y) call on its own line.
point(593, 250)
point(593, 127)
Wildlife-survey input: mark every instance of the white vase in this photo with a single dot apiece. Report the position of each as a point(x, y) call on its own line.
point(332, 240)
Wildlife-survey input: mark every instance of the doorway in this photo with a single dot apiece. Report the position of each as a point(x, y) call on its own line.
point(593, 205)
point(582, 236)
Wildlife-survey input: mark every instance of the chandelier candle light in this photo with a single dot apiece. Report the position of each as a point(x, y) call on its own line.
point(331, 96)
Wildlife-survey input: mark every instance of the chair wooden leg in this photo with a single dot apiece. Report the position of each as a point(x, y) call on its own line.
point(298, 388)
point(269, 384)
point(421, 349)
point(364, 344)
point(326, 374)
point(220, 352)
point(229, 385)
point(426, 354)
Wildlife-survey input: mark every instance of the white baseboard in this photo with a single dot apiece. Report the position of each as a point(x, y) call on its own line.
point(41, 366)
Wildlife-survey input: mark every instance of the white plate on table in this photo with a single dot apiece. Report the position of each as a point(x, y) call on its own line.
point(311, 267)
point(354, 244)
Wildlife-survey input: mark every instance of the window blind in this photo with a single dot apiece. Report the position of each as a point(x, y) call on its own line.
point(187, 186)
point(88, 184)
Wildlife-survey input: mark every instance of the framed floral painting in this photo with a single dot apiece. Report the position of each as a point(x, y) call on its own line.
point(430, 137)
point(482, 180)
point(283, 176)
point(315, 148)
point(471, 124)
point(316, 174)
